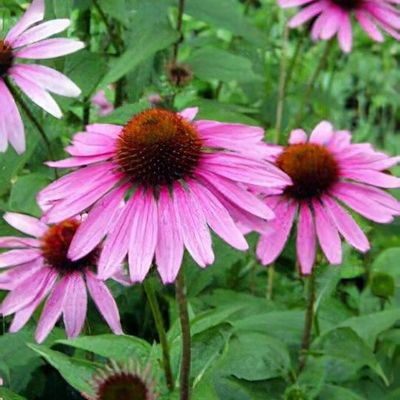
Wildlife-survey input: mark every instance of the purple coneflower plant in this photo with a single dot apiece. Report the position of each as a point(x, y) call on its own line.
point(179, 178)
point(37, 267)
point(329, 173)
point(333, 17)
point(28, 39)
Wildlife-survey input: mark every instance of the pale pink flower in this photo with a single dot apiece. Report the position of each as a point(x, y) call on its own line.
point(29, 40)
point(179, 176)
point(104, 106)
point(38, 267)
point(334, 17)
point(328, 173)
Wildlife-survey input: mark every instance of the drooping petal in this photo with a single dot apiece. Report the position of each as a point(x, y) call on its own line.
point(75, 305)
point(306, 240)
point(104, 301)
point(20, 256)
point(169, 250)
point(52, 310)
point(50, 48)
point(26, 224)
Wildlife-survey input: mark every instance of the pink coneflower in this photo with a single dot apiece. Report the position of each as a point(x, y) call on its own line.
point(104, 106)
point(25, 40)
point(38, 267)
point(179, 176)
point(328, 171)
point(334, 17)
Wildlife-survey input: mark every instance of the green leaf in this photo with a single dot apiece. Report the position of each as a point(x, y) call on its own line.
point(254, 356)
point(333, 392)
point(122, 115)
point(224, 14)
point(348, 352)
point(86, 69)
point(119, 348)
point(78, 373)
point(211, 63)
point(370, 326)
point(6, 394)
point(388, 262)
point(117, 9)
point(24, 192)
point(150, 42)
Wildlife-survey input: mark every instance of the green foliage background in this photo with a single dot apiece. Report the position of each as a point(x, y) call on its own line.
point(245, 347)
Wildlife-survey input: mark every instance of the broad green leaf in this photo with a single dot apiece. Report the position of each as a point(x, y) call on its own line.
point(254, 357)
point(78, 373)
point(388, 262)
point(119, 348)
point(224, 14)
point(24, 191)
point(210, 63)
point(370, 326)
point(333, 392)
point(117, 9)
point(152, 41)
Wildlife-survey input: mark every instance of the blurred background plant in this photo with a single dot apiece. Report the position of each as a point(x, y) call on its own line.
point(238, 63)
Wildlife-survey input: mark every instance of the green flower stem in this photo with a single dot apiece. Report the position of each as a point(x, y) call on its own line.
point(155, 309)
point(309, 320)
point(179, 28)
point(311, 83)
point(181, 300)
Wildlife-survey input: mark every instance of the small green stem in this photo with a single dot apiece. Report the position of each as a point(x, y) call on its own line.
point(282, 85)
point(155, 309)
point(179, 28)
point(309, 320)
point(181, 300)
point(119, 49)
point(294, 59)
point(311, 83)
point(270, 284)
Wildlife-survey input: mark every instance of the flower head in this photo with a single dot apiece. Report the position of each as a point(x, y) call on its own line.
point(29, 40)
point(334, 17)
point(38, 267)
point(104, 106)
point(122, 382)
point(178, 176)
point(328, 172)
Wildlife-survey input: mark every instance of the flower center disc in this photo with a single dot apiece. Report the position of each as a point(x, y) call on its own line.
point(158, 147)
point(6, 58)
point(55, 245)
point(123, 387)
point(348, 4)
point(312, 167)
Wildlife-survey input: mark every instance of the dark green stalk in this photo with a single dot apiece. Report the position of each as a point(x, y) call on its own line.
point(181, 300)
point(155, 309)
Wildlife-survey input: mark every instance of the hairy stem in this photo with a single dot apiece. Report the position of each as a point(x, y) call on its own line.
point(155, 309)
point(309, 319)
point(186, 339)
point(119, 49)
point(311, 83)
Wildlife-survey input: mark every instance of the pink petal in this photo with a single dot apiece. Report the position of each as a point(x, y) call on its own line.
point(217, 216)
point(117, 242)
point(48, 78)
point(41, 31)
point(346, 225)
point(97, 224)
point(24, 223)
point(189, 113)
point(75, 306)
point(322, 133)
point(38, 95)
point(11, 242)
point(16, 257)
point(169, 250)
point(193, 226)
point(272, 243)
point(143, 237)
point(297, 136)
point(33, 14)
point(306, 241)
point(11, 125)
point(328, 234)
point(52, 310)
point(105, 302)
point(50, 48)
